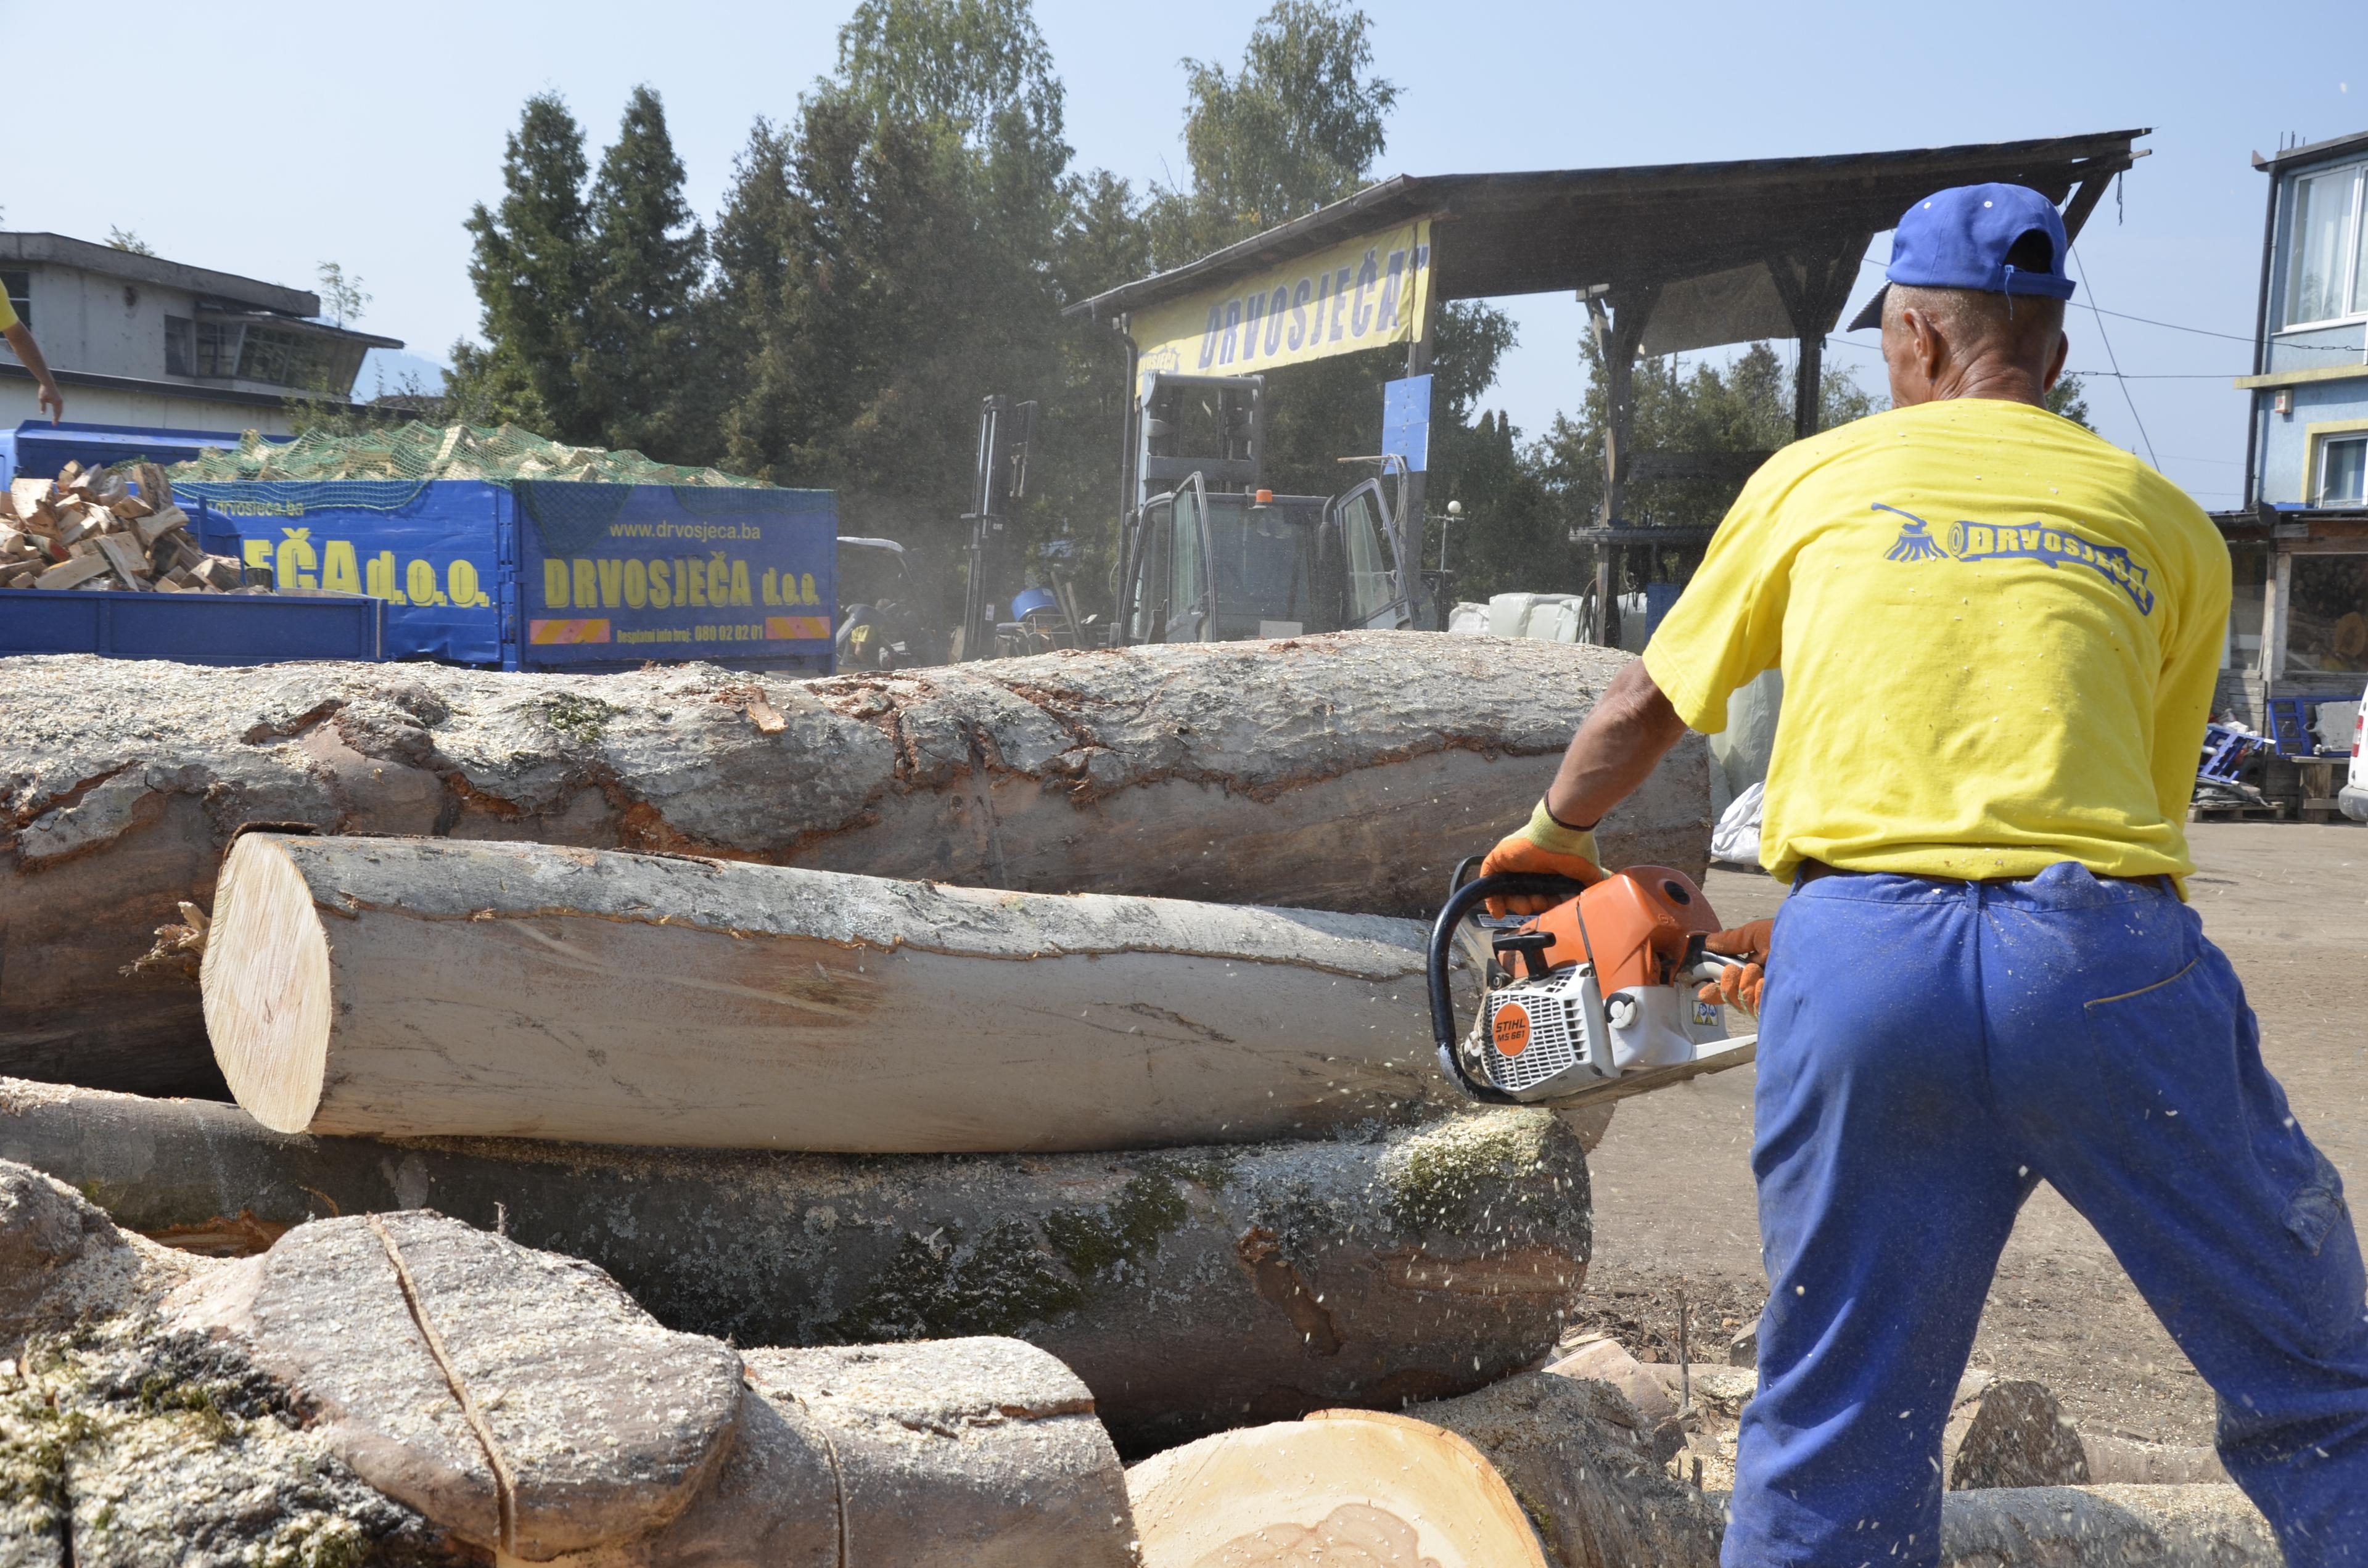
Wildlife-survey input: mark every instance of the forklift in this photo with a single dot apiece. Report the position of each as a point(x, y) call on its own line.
point(1207, 555)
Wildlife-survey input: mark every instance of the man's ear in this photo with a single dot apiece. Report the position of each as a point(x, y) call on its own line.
point(2055, 363)
point(1931, 347)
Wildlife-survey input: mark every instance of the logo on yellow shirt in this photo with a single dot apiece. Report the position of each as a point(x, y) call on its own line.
point(2056, 546)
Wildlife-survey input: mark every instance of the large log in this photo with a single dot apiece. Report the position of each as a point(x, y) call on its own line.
point(1192, 1290)
point(1538, 1470)
point(1345, 772)
point(421, 987)
point(406, 1387)
point(1359, 1490)
point(1572, 1454)
point(2106, 1526)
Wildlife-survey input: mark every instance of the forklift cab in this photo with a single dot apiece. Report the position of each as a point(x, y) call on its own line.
point(1204, 566)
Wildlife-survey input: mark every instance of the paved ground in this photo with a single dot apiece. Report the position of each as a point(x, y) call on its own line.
point(1674, 1210)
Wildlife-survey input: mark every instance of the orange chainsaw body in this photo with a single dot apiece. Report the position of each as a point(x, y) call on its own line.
point(1637, 923)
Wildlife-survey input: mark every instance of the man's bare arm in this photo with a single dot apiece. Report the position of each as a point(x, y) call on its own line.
point(29, 353)
point(1632, 728)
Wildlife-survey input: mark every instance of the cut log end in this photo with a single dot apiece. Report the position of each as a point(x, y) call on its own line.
point(1353, 1486)
point(266, 987)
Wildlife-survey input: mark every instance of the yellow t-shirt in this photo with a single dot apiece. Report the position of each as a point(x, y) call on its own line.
point(1998, 633)
point(7, 311)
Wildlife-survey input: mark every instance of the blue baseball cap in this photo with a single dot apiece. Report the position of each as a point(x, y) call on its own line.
point(1958, 238)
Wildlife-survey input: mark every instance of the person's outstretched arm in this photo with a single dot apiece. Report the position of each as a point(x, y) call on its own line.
point(1618, 745)
point(20, 338)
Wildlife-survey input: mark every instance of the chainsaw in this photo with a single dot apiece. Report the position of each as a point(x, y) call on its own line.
point(1593, 1000)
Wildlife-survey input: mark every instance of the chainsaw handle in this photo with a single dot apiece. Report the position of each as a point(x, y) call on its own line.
point(1459, 907)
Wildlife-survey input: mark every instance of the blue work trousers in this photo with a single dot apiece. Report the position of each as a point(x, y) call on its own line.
point(1929, 1051)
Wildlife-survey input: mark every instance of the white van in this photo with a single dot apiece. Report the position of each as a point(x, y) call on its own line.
point(2353, 797)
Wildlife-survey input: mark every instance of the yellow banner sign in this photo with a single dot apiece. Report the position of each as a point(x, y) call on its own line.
point(1358, 294)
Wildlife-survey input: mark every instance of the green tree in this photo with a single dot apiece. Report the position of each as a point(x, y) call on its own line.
point(531, 266)
point(1297, 127)
point(646, 260)
point(1523, 507)
point(127, 240)
point(893, 256)
point(342, 297)
point(2069, 398)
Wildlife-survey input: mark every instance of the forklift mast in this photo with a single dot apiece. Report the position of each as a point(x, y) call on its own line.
point(1212, 426)
point(1004, 428)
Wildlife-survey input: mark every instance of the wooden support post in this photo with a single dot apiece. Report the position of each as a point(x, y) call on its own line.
point(2085, 198)
point(1813, 289)
point(1420, 353)
point(1808, 386)
point(2275, 619)
point(1619, 332)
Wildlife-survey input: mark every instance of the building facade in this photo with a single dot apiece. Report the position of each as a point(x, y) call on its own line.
point(2299, 545)
point(136, 339)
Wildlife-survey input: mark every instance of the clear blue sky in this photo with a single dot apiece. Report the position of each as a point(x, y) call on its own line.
point(263, 140)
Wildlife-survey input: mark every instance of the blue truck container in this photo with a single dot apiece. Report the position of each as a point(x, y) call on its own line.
point(527, 574)
point(549, 574)
point(192, 629)
point(38, 450)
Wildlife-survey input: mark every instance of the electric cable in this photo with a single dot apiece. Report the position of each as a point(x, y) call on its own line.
point(2127, 395)
point(2170, 326)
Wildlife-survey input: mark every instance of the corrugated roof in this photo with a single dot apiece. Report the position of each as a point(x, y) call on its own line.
point(1565, 230)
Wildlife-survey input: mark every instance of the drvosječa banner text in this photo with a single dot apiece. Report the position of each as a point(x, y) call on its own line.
point(1360, 293)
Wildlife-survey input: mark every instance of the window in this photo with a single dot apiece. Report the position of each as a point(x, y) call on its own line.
point(2329, 614)
point(2323, 269)
point(283, 359)
point(1188, 586)
point(218, 348)
point(2343, 471)
point(1364, 538)
point(20, 294)
point(180, 346)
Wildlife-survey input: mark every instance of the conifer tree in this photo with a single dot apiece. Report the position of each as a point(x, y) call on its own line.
point(531, 269)
point(645, 260)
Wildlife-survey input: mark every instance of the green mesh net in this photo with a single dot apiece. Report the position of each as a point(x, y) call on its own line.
point(417, 452)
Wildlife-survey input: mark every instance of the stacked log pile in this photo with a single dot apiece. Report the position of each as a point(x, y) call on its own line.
point(987, 1171)
point(1343, 773)
point(405, 1388)
point(1191, 1289)
point(91, 529)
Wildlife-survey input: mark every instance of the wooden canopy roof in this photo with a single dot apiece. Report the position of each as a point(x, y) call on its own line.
point(1638, 231)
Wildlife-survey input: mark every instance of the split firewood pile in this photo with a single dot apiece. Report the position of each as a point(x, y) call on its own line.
point(649, 1180)
point(91, 528)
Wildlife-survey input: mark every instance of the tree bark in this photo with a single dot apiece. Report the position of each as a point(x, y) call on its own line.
point(1347, 772)
point(419, 987)
point(410, 1384)
point(2010, 1432)
point(2105, 1527)
point(1192, 1290)
point(1584, 1462)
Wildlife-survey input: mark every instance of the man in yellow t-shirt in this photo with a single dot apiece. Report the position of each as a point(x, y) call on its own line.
point(28, 354)
point(2000, 635)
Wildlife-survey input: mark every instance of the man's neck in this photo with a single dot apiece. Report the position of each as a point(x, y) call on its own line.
point(1992, 379)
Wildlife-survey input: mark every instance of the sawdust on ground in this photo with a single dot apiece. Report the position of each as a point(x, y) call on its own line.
point(1674, 1211)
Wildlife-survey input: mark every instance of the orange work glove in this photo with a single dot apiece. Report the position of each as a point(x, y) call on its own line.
point(1740, 985)
point(1545, 846)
